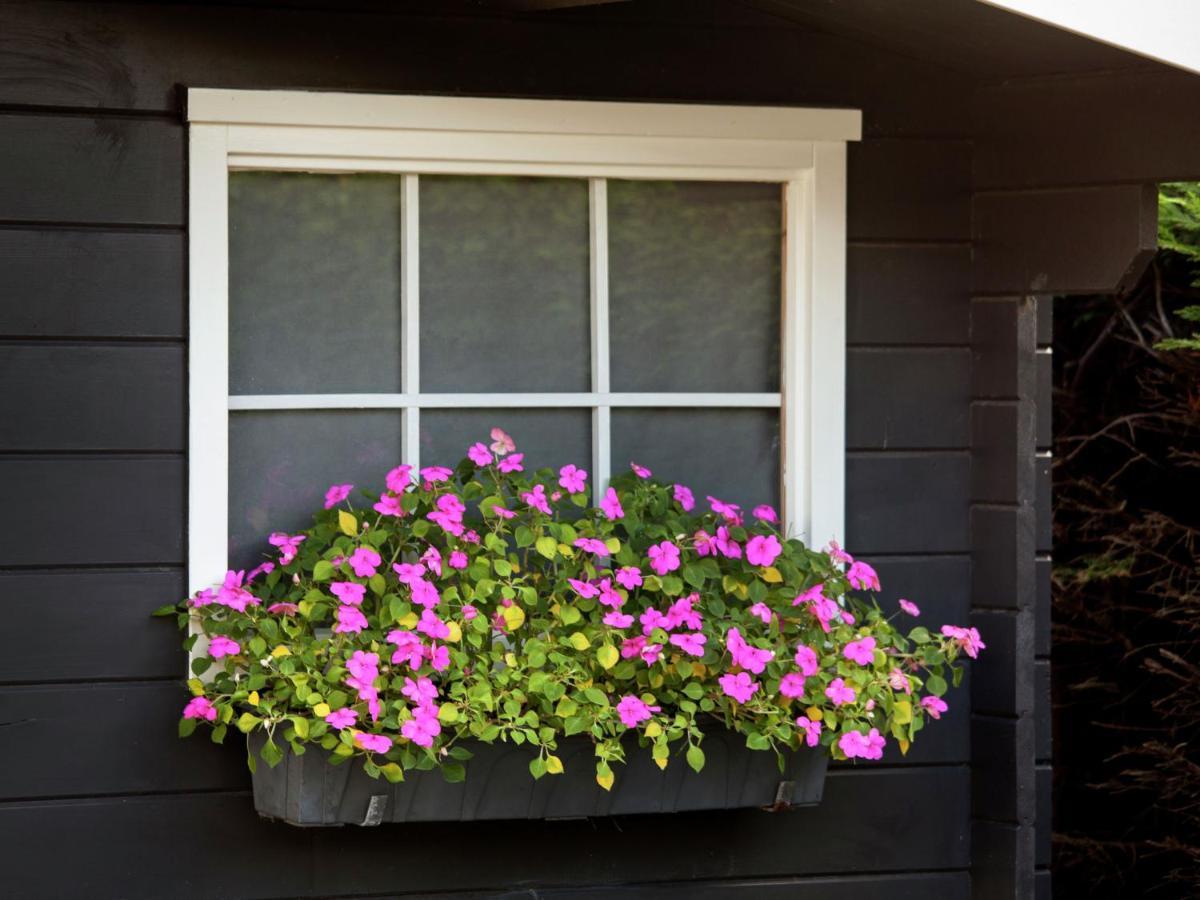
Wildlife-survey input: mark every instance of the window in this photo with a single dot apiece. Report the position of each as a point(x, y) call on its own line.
point(377, 279)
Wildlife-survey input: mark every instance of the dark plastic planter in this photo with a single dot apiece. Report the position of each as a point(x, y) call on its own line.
point(306, 790)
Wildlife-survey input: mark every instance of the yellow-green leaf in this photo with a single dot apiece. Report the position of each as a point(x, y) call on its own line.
point(321, 710)
point(392, 772)
point(554, 765)
point(455, 632)
point(253, 699)
point(547, 546)
point(448, 713)
point(579, 640)
point(608, 655)
point(613, 545)
point(902, 712)
point(514, 617)
point(347, 523)
point(605, 779)
point(653, 730)
point(772, 575)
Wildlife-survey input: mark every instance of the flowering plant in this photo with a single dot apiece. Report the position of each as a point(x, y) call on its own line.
point(463, 605)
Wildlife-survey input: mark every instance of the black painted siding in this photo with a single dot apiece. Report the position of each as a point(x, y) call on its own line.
point(98, 797)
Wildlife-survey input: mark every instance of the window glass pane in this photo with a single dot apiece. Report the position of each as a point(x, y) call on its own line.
point(694, 285)
point(732, 454)
point(281, 463)
point(504, 284)
point(314, 283)
point(547, 437)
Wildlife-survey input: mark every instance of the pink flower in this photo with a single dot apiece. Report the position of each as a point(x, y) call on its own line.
point(967, 638)
point(898, 681)
point(423, 727)
point(610, 505)
point(652, 619)
point(350, 620)
point(348, 592)
point(729, 548)
point(421, 691)
point(704, 543)
point(765, 513)
point(683, 496)
point(480, 455)
point(200, 708)
point(389, 505)
point(364, 561)
point(431, 625)
point(650, 653)
point(762, 611)
point(633, 646)
point(376, 743)
point(664, 557)
point(439, 657)
point(608, 596)
point(221, 646)
point(398, 479)
point(436, 474)
point(283, 608)
point(731, 512)
point(458, 559)
point(572, 479)
point(750, 658)
point(448, 522)
point(629, 577)
point(864, 746)
point(584, 589)
point(861, 651)
point(342, 718)
point(364, 667)
point(265, 569)
point(837, 554)
point(591, 545)
point(451, 505)
point(935, 706)
point(812, 730)
point(432, 558)
point(469, 612)
point(741, 687)
point(909, 607)
point(336, 494)
point(792, 684)
point(633, 711)
point(502, 443)
point(640, 471)
point(806, 660)
point(839, 692)
point(809, 595)
point(503, 512)
point(471, 537)
point(288, 545)
point(617, 619)
point(233, 595)
point(861, 577)
point(537, 499)
point(408, 573)
point(762, 551)
point(683, 612)
point(512, 463)
point(425, 594)
point(690, 643)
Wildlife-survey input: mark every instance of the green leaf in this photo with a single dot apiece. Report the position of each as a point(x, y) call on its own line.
point(579, 640)
point(596, 696)
point(694, 689)
point(168, 610)
point(218, 734)
point(756, 741)
point(523, 536)
point(247, 722)
point(392, 772)
point(695, 758)
point(694, 576)
point(323, 570)
point(537, 767)
point(186, 727)
point(575, 725)
point(936, 685)
point(547, 546)
point(454, 772)
point(347, 523)
point(608, 656)
point(271, 754)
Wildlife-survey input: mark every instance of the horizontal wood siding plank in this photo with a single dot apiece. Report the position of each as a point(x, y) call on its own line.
point(91, 511)
point(909, 190)
point(943, 885)
point(90, 624)
point(907, 502)
point(908, 295)
point(92, 397)
point(900, 399)
point(103, 169)
point(71, 283)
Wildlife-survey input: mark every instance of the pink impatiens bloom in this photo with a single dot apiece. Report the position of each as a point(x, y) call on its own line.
point(439, 657)
point(809, 595)
point(572, 479)
point(365, 562)
point(664, 557)
point(200, 708)
point(629, 577)
point(909, 607)
point(376, 743)
point(420, 691)
point(408, 573)
point(348, 592)
point(652, 619)
point(837, 554)
point(684, 497)
point(336, 494)
point(469, 612)
point(762, 611)
point(408, 648)
point(425, 594)
point(731, 512)
point(863, 746)
point(727, 546)
point(389, 505)
point(631, 647)
point(537, 499)
point(839, 692)
point(633, 711)
point(264, 569)
point(502, 512)
point(512, 463)
point(811, 729)
point(741, 687)
point(640, 471)
point(363, 667)
point(232, 594)
point(436, 474)
point(935, 706)
point(221, 646)
point(350, 620)
point(616, 619)
point(398, 479)
point(898, 681)
point(967, 638)
point(750, 658)
point(608, 596)
point(591, 545)
point(431, 625)
point(584, 589)
point(458, 559)
point(862, 577)
point(432, 558)
point(651, 653)
point(288, 545)
point(683, 612)
point(610, 505)
point(792, 684)
point(762, 551)
point(480, 455)
point(691, 643)
point(502, 442)
point(765, 513)
point(806, 660)
point(283, 608)
point(861, 651)
point(423, 727)
point(703, 542)
point(342, 718)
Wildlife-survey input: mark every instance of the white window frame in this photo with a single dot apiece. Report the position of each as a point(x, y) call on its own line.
point(804, 150)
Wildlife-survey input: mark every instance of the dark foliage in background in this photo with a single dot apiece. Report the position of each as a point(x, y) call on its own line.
point(1126, 661)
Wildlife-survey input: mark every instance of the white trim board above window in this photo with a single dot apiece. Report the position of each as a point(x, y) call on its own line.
point(801, 150)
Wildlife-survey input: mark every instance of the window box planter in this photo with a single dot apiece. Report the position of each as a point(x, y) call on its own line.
point(308, 791)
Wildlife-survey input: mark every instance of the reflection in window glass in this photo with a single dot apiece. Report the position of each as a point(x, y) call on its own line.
point(280, 464)
point(504, 284)
point(694, 285)
point(314, 283)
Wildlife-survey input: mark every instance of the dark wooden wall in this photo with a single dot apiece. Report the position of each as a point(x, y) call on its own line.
point(99, 798)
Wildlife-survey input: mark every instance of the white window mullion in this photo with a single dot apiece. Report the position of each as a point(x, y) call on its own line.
point(601, 414)
point(410, 317)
